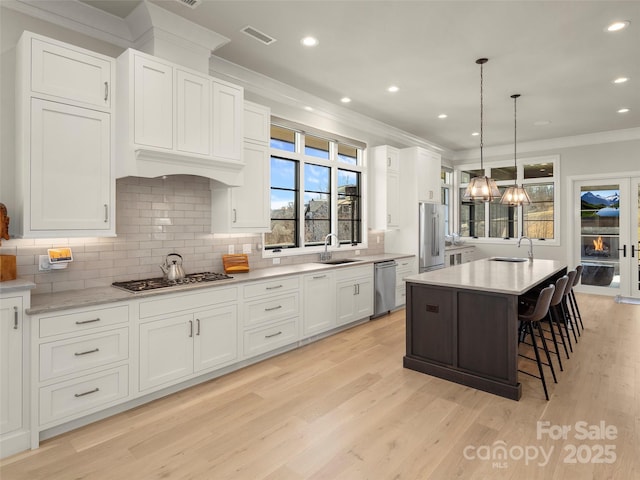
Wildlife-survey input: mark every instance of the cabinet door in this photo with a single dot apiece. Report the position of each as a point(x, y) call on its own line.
point(393, 200)
point(257, 119)
point(193, 123)
point(10, 364)
point(319, 303)
point(363, 298)
point(228, 105)
point(393, 159)
point(345, 302)
point(166, 350)
point(70, 74)
point(216, 337)
point(70, 168)
point(250, 206)
point(428, 166)
point(153, 103)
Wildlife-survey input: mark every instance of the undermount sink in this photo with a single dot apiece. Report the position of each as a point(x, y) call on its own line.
point(337, 262)
point(509, 259)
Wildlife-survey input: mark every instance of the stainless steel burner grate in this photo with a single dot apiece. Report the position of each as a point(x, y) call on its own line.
point(159, 282)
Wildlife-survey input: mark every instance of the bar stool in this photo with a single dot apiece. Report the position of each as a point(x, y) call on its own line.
point(528, 320)
point(565, 305)
point(561, 285)
point(572, 298)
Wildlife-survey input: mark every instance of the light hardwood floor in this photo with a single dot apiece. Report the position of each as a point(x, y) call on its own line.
point(344, 408)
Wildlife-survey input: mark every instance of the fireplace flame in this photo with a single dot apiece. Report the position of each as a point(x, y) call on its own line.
point(598, 244)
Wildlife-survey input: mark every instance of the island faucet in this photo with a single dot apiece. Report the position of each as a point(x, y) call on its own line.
point(530, 252)
point(327, 255)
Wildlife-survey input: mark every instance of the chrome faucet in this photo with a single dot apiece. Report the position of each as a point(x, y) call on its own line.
point(327, 255)
point(530, 252)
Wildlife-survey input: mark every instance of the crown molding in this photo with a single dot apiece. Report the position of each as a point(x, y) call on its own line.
point(597, 138)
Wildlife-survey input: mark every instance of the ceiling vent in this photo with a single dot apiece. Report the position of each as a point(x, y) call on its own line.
point(258, 35)
point(190, 3)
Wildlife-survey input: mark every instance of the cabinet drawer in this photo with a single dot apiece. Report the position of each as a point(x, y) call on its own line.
point(401, 295)
point(178, 303)
point(269, 338)
point(273, 287)
point(361, 271)
point(270, 309)
point(82, 353)
point(77, 397)
point(84, 320)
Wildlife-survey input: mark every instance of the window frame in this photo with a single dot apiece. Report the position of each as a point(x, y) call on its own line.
point(334, 163)
point(555, 180)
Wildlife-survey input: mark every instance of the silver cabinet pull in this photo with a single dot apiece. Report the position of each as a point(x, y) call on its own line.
point(357, 289)
point(197, 326)
point(86, 393)
point(272, 308)
point(319, 277)
point(388, 161)
point(15, 318)
point(273, 335)
point(273, 288)
point(77, 354)
point(106, 91)
point(388, 218)
point(106, 213)
point(235, 215)
point(82, 322)
point(191, 328)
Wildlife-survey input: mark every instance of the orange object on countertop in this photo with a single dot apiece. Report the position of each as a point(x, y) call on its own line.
point(236, 263)
point(7, 267)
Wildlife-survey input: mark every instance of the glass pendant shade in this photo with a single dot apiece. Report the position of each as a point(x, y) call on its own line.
point(514, 196)
point(481, 189)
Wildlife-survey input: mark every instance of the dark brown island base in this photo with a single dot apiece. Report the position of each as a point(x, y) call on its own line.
point(462, 321)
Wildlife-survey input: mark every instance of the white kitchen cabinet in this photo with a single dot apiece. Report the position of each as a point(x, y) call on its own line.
point(246, 209)
point(81, 362)
point(70, 73)
point(426, 168)
point(457, 254)
point(354, 293)
point(173, 120)
point(384, 187)
point(405, 267)
point(11, 328)
point(185, 335)
point(153, 103)
point(270, 314)
point(65, 140)
point(319, 303)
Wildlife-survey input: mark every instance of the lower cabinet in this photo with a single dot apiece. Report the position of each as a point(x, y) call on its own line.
point(319, 313)
point(178, 346)
point(406, 267)
point(354, 293)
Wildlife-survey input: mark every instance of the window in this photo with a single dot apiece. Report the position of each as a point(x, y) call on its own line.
point(315, 190)
point(494, 220)
point(446, 176)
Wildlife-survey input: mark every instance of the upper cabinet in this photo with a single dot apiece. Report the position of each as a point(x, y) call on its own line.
point(173, 120)
point(246, 209)
point(423, 174)
point(384, 187)
point(65, 184)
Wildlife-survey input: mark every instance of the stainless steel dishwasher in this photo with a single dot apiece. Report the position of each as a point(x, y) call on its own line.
point(385, 287)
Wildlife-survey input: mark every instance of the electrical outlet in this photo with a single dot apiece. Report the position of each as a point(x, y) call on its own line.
point(231, 250)
point(43, 263)
point(357, 252)
point(276, 261)
point(377, 238)
point(246, 248)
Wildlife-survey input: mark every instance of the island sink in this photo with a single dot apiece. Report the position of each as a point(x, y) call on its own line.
point(509, 259)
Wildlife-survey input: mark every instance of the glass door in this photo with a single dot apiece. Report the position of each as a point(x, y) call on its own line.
point(607, 242)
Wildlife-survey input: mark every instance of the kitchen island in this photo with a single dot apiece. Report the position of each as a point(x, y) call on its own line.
point(462, 321)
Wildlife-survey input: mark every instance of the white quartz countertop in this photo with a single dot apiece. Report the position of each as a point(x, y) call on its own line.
point(16, 285)
point(48, 302)
point(512, 278)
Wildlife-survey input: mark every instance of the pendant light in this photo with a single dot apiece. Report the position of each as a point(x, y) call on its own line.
point(481, 188)
point(515, 195)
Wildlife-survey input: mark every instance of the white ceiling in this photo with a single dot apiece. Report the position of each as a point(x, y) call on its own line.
point(556, 54)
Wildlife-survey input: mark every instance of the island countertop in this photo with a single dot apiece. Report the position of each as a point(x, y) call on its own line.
point(513, 278)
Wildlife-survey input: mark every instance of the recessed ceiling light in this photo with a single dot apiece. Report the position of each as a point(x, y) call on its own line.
point(617, 26)
point(442, 115)
point(308, 109)
point(393, 89)
point(623, 110)
point(621, 80)
point(475, 134)
point(540, 123)
point(345, 99)
point(309, 41)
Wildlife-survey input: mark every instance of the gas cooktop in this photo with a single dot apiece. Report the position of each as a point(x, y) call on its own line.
point(159, 282)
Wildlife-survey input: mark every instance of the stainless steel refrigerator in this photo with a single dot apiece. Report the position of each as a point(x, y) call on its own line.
point(431, 236)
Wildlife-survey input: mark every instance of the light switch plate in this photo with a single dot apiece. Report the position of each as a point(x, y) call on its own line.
point(232, 250)
point(246, 248)
point(276, 261)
